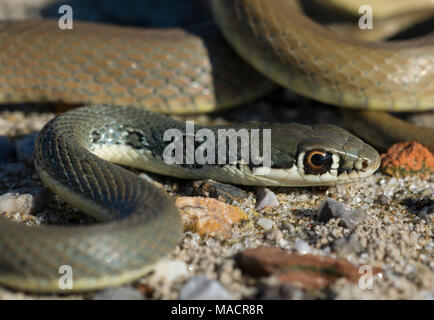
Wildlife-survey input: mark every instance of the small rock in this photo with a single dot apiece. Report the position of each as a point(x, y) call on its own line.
point(304, 271)
point(7, 149)
point(209, 216)
point(265, 198)
point(330, 208)
point(120, 293)
point(202, 288)
point(170, 270)
point(302, 246)
point(289, 228)
point(276, 235)
point(265, 224)
point(383, 199)
point(348, 245)
point(220, 191)
point(407, 158)
point(25, 148)
point(420, 207)
point(424, 212)
point(24, 201)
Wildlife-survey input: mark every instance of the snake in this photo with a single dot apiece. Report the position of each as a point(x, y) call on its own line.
point(128, 78)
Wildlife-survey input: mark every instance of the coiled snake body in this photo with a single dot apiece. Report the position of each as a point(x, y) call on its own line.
point(170, 71)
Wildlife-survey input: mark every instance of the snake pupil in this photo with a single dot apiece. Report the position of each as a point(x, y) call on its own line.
point(317, 159)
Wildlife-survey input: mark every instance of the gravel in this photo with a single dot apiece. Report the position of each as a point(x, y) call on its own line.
point(202, 288)
point(120, 293)
point(265, 223)
point(170, 271)
point(396, 234)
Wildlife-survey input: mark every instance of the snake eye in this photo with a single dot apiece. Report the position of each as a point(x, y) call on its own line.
point(317, 161)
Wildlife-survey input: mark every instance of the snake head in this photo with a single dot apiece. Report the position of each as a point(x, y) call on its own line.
point(317, 155)
point(335, 156)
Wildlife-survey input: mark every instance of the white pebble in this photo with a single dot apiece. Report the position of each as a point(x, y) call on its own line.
point(120, 293)
point(18, 217)
point(170, 270)
point(202, 288)
point(265, 223)
point(302, 246)
point(23, 201)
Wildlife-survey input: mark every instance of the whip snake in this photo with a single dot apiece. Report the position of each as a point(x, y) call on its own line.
point(174, 71)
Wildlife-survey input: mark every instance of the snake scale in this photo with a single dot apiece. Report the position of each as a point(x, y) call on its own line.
point(172, 71)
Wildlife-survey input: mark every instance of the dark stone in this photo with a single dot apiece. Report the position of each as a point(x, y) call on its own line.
point(220, 191)
point(330, 208)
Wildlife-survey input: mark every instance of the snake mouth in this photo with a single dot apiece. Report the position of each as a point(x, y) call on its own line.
point(330, 168)
point(335, 168)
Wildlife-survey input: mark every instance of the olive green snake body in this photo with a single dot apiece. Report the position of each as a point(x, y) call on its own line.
point(170, 71)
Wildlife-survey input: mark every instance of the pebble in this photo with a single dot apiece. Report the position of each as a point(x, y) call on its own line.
point(7, 149)
point(425, 211)
point(331, 208)
point(276, 235)
point(305, 271)
point(24, 201)
point(119, 293)
point(302, 246)
point(407, 158)
point(383, 200)
point(265, 223)
point(209, 216)
point(265, 198)
point(289, 228)
point(348, 245)
point(203, 288)
point(170, 270)
point(220, 191)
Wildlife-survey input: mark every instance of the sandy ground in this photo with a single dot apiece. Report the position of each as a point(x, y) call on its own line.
point(397, 235)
